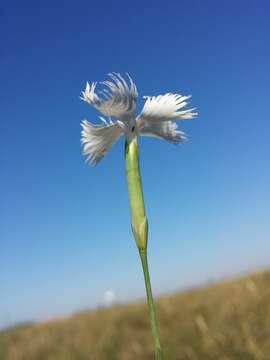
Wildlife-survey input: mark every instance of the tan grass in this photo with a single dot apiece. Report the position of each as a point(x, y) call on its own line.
point(229, 320)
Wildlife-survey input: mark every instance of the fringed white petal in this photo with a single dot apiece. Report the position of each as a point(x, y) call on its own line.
point(166, 130)
point(117, 99)
point(165, 107)
point(98, 139)
point(159, 114)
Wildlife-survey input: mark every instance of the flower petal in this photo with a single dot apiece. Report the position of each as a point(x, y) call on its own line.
point(97, 140)
point(165, 107)
point(117, 99)
point(166, 130)
point(159, 114)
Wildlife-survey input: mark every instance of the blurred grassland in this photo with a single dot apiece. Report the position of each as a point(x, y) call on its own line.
point(228, 320)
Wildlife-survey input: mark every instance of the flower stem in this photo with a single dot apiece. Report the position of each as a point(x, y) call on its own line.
point(151, 305)
point(139, 226)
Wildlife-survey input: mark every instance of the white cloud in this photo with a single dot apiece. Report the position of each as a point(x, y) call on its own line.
point(109, 297)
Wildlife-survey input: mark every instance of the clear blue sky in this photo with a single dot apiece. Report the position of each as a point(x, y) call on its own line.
point(65, 227)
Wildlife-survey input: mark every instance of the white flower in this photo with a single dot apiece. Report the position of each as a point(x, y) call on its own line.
point(118, 100)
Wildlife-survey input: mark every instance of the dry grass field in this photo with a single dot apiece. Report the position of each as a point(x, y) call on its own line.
point(228, 320)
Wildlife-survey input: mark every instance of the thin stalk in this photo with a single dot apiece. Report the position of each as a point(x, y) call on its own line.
point(151, 306)
point(139, 226)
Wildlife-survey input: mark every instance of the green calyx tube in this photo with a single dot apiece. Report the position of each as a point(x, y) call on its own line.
point(139, 221)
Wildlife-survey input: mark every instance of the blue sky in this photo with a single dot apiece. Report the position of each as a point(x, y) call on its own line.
point(65, 228)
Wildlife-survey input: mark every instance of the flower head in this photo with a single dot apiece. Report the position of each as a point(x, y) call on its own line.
point(118, 100)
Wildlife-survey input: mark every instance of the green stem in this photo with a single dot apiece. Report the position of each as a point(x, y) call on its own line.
point(139, 226)
point(151, 305)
